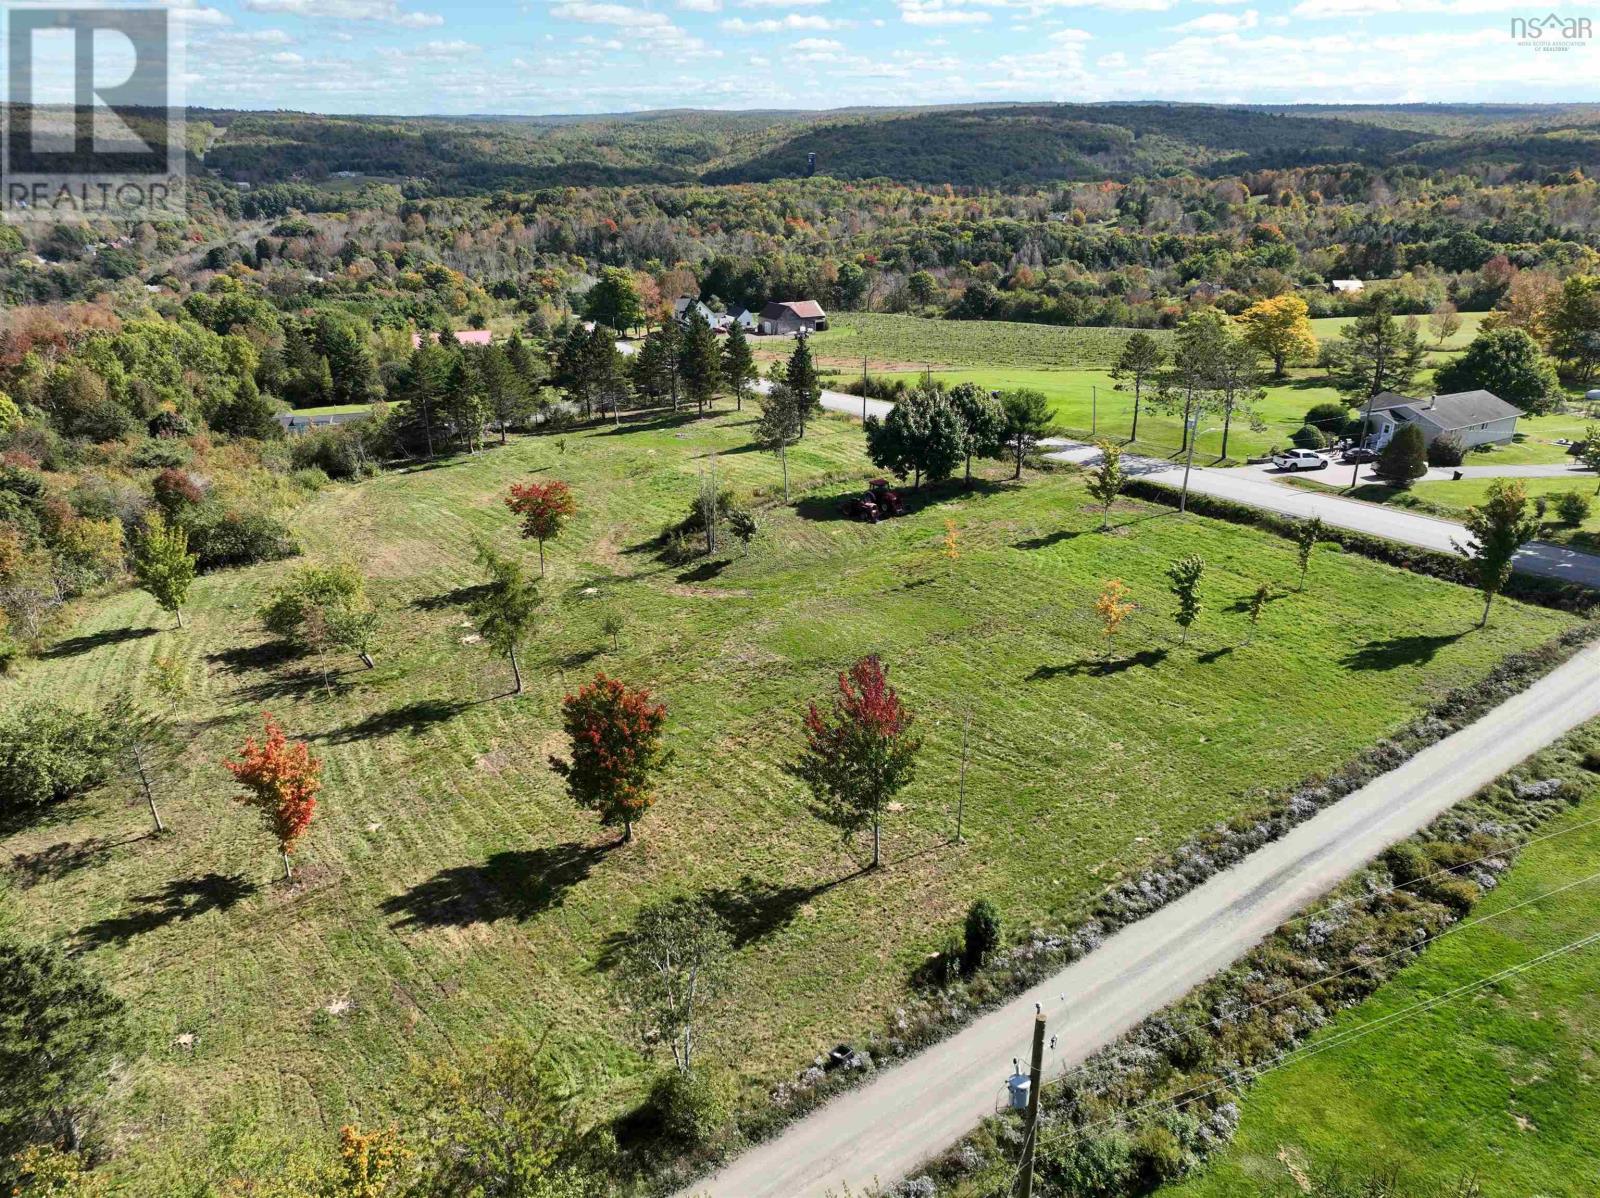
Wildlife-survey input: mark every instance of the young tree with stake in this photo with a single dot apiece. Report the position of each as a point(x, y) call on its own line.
point(779, 427)
point(1106, 480)
point(1114, 606)
point(163, 565)
point(1589, 453)
point(148, 745)
point(1185, 575)
point(505, 611)
point(544, 509)
point(281, 781)
point(617, 751)
point(1498, 527)
point(1306, 534)
point(1256, 607)
point(860, 753)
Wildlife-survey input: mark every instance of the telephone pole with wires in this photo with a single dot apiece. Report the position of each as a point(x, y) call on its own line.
point(1030, 1138)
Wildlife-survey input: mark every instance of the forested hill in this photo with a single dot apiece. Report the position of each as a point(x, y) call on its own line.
point(1046, 142)
point(972, 146)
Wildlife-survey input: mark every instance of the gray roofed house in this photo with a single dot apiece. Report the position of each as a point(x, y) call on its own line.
point(1475, 417)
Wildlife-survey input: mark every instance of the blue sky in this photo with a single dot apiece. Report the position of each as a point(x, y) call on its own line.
point(570, 56)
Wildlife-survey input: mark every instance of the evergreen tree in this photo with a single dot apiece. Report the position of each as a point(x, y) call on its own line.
point(1404, 459)
point(801, 376)
point(1139, 363)
point(1377, 353)
point(738, 365)
point(699, 362)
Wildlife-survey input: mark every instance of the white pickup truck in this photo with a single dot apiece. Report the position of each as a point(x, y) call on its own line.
point(1299, 459)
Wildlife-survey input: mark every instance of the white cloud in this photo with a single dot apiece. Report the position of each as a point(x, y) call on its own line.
point(700, 5)
point(1220, 22)
point(1324, 9)
point(792, 22)
point(779, 3)
point(817, 45)
point(438, 51)
point(348, 10)
point(610, 14)
point(930, 13)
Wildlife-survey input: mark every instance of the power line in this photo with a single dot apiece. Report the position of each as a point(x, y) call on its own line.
point(1335, 1040)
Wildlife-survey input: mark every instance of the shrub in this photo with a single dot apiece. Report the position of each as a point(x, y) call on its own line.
point(1404, 459)
point(176, 491)
point(312, 479)
point(690, 1106)
point(1308, 436)
point(1446, 452)
point(1330, 419)
point(341, 452)
point(1458, 894)
point(982, 934)
point(1090, 1166)
point(221, 538)
point(1157, 1157)
point(1572, 508)
point(49, 754)
point(1406, 863)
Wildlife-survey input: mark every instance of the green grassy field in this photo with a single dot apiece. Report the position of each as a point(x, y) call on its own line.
point(912, 342)
point(1498, 1085)
point(450, 894)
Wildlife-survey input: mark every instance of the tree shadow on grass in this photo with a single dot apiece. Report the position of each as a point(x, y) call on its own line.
point(59, 860)
point(1242, 605)
point(77, 645)
point(1049, 539)
point(705, 571)
point(460, 597)
point(829, 505)
point(749, 911)
point(413, 718)
point(1398, 651)
point(242, 659)
point(1215, 655)
point(514, 885)
point(1102, 667)
point(179, 900)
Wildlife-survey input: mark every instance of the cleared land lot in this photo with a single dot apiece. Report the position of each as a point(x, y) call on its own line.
point(451, 894)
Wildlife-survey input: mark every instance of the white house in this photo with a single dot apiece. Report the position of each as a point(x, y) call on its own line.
point(1347, 286)
point(684, 304)
point(1474, 417)
point(743, 317)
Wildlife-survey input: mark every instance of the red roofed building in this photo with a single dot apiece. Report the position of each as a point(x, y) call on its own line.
point(465, 336)
point(793, 316)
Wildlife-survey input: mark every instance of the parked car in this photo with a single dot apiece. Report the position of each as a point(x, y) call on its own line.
point(1357, 454)
point(1299, 459)
point(880, 502)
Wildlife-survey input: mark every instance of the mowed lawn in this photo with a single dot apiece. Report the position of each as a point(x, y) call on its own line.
point(449, 892)
point(1498, 1085)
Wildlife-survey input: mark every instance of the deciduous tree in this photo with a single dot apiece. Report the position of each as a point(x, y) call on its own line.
point(983, 421)
point(1306, 534)
point(1256, 607)
point(617, 751)
point(859, 753)
point(281, 781)
point(1279, 328)
point(922, 435)
point(1106, 480)
point(1497, 529)
point(163, 565)
point(1444, 322)
point(614, 300)
point(1184, 577)
point(668, 970)
point(1508, 363)
point(1114, 606)
point(780, 426)
point(544, 509)
point(504, 612)
point(1589, 452)
point(147, 743)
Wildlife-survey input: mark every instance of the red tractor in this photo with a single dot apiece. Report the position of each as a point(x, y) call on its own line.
point(879, 502)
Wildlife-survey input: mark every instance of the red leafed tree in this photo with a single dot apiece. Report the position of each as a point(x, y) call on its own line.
point(545, 509)
point(616, 751)
point(860, 753)
point(281, 780)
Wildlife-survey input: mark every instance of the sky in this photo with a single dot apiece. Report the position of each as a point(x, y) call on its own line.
point(585, 56)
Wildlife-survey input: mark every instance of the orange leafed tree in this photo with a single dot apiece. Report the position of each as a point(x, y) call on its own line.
point(281, 780)
point(545, 509)
point(616, 751)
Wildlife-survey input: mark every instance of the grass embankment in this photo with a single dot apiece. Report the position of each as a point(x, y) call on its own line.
point(451, 894)
point(1498, 1085)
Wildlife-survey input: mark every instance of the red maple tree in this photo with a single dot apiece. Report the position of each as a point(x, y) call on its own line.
point(616, 750)
point(281, 780)
point(860, 753)
point(545, 509)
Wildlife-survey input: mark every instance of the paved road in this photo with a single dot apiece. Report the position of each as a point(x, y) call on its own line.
point(1256, 488)
point(887, 1128)
point(1338, 475)
point(299, 422)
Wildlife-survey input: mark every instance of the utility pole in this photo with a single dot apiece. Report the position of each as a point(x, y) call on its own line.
point(863, 388)
point(1188, 465)
point(1361, 443)
point(1030, 1138)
